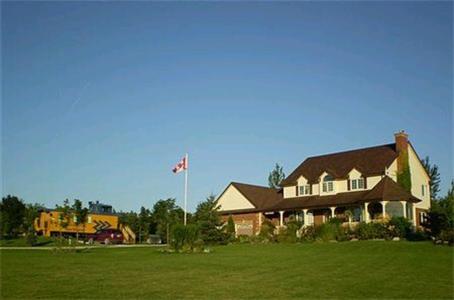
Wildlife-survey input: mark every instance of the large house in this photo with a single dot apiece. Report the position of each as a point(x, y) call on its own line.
point(362, 181)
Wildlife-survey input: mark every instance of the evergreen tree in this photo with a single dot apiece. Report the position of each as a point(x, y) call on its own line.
point(434, 175)
point(209, 222)
point(276, 176)
point(230, 228)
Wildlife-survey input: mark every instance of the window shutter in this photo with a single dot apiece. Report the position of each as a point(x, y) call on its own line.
point(365, 182)
point(296, 192)
point(348, 184)
point(310, 189)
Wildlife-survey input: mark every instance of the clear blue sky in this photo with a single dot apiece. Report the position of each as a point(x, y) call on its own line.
point(100, 100)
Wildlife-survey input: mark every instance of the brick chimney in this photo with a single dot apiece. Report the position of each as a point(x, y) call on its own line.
point(402, 149)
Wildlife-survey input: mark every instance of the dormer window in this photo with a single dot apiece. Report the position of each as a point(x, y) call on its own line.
point(304, 190)
point(328, 185)
point(357, 184)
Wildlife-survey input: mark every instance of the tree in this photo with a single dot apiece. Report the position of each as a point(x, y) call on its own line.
point(166, 214)
point(208, 219)
point(80, 216)
point(230, 228)
point(434, 175)
point(64, 215)
point(31, 215)
point(146, 224)
point(440, 219)
point(12, 216)
point(276, 176)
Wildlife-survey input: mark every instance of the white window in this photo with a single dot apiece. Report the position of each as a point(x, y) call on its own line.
point(357, 184)
point(305, 189)
point(89, 220)
point(328, 185)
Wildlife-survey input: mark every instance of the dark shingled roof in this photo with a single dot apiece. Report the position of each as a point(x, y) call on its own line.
point(267, 199)
point(369, 161)
point(387, 189)
point(261, 197)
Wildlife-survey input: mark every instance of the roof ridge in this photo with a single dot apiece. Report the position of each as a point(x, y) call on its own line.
point(253, 185)
point(352, 150)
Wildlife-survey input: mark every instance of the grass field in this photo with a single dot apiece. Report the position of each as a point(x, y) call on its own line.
point(369, 269)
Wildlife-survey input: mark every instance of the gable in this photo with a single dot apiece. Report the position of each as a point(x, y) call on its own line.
point(232, 199)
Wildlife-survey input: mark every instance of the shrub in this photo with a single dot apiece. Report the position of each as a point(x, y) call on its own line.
point(332, 230)
point(267, 231)
point(288, 233)
point(230, 228)
point(367, 231)
point(184, 237)
point(417, 235)
point(447, 235)
point(400, 227)
point(308, 234)
point(31, 239)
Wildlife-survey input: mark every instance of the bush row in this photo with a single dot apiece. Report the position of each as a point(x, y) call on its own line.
point(397, 227)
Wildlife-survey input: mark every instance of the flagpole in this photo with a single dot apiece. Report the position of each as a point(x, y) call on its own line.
point(185, 189)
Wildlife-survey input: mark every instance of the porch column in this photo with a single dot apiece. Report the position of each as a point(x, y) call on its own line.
point(260, 222)
point(332, 211)
point(366, 212)
point(414, 214)
point(383, 205)
point(404, 206)
point(281, 218)
point(305, 217)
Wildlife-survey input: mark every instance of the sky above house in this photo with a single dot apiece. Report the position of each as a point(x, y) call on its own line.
point(100, 100)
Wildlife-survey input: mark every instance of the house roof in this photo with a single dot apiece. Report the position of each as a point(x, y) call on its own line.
point(369, 161)
point(261, 197)
point(268, 199)
point(387, 189)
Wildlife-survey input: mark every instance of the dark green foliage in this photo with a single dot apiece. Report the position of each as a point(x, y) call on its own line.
point(146, 225)
point(400, 227)
point(404, 176)
point(267, 231)
point(80, 214)
point(276, 176)
point(308, 234)
point(434, 175)
point(367, 231)
point(12, 216)
point(332, 230)
point(209, 222)
point(288, 234)
point(166, 214)
point(65, 214)
point(185, 237)
point(31, 238)
point(440, 219)
point(129, 218)
point(230, 228)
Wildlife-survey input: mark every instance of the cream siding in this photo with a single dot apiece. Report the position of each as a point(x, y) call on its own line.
point(341, 186)
point(372, 181)
point(289, 191)
point(316, 189)
point(232, 199)
point(418, 178)
point(391, 171)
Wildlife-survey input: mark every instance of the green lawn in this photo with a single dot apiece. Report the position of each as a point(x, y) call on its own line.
point(370, 269)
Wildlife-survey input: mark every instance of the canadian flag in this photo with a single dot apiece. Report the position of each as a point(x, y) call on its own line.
point(181, 165)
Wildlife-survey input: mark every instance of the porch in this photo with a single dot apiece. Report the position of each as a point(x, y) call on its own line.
point(349, 214)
